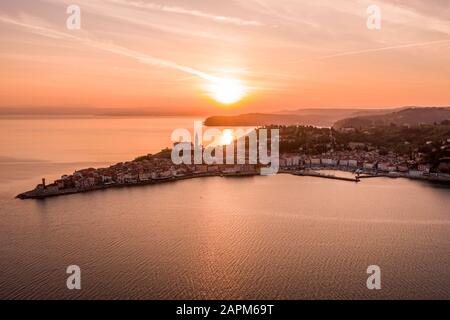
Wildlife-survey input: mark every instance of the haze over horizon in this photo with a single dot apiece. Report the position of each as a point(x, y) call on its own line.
point(200, 57)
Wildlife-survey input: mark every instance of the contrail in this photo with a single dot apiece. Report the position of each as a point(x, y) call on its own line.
point(112, 48)
point(351, 53)
point(194, 13)
point(411, 45)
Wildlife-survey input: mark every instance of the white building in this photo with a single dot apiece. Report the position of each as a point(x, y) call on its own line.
point(424, 168)
point(368, 166)
point(131, 178)
point(415, 173)
point(295, 160)
point(106, 179)
point(353, 163)
point(383, 166)
point(392, 168)
point(144, 176)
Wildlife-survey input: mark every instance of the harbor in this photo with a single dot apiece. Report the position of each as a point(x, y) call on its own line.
point(42, 191)
point(312, 173)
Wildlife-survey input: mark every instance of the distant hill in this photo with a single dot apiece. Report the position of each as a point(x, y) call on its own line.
point(68, 111)
point(339, 113)
point(410, 116)
point(261, 119)
point(313, 117)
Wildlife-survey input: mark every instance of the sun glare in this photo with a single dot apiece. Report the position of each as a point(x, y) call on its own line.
point(227, 91)
point(227, 137)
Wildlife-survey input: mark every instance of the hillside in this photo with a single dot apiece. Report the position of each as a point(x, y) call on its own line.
point(409, 117)
point(313, 117)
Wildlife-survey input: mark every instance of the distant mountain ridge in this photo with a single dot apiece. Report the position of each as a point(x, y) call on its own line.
point(342, 113)
point(412, 116)
point(261, 119)
point(68, 111)
point(312, 117)
point(337, 118)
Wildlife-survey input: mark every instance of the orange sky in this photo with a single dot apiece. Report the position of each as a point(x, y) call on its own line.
point(162, 55)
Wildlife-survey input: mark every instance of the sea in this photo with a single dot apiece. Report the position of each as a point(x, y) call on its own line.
point(261, 237)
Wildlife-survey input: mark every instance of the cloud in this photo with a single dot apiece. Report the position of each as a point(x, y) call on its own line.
point(109, 47)
point(189, 12)
point(403, 46)
point(365, 51)
point(137, 17)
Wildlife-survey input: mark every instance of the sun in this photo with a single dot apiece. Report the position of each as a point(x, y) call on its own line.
point(227, 136)
point(227, 90)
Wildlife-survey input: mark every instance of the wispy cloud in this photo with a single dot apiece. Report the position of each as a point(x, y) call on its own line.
point(136, 16)
point(372, 50)
point(109, 47)
point(404, 46)
point(189, 12)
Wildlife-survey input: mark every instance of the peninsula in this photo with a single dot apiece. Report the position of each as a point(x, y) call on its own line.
point(395, 151)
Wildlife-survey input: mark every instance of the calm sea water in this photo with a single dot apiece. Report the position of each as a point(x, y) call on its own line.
point(217, 238)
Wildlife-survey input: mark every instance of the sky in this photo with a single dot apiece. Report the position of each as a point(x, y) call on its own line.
point(180, 56)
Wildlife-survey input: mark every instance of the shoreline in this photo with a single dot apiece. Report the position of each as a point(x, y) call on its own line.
point(315, 172)
point(42, 194)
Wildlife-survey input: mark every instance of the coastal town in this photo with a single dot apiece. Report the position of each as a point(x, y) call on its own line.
point(151, 170)
point(359, 158)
